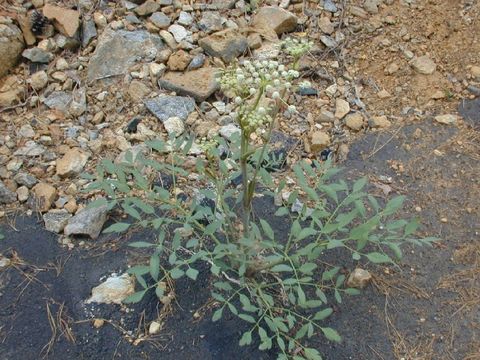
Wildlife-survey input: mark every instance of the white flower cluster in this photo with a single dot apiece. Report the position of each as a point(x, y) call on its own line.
point(297, 47)
point(254, 120)
point(251, 77)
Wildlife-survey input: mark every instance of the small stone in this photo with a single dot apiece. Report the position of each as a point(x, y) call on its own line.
point(88, 30)
point(174, 126)
point(45, 195)
point(169, 40)
point(210, 21)
point(37, 55)
point(154, 328)
point(25, 179)
point(147, 8)
point(383, 94)
point(4, 262)
point(226, 44)
point(72, 163)
point(379, 122)
point(372, 6)
point(26, 131)
point(447, 119)
point(254, 41)
point(423, 65)
point(326, 25)
point(88, 221)
point(160, 20)
point(319, 140)
point(475, 71)
point(359, 278)
point(342, 108)
point(156, 70)
point(325, 116)
point(197, 62)
point(276, 18)
point(39, 80)
point(199, 84)
point(113, 290)
point(185, 18)
point(358, 11)
point(165, 107)
point(329, 6)
point(179, 60)
point(98, 323)
point(178, 32)
point(58, 100)
point(328, 41)
point(71, 206)
point(392, 68)
point(137, 90)
point(56, 220)
point(11, 46)
point(22, 193)
point(227, 131)
point(6, 195)
point(354, 121)
point(65, 20)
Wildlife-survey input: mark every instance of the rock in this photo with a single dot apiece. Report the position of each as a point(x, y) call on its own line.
point(174, 126)
point(65, 21)
point(156, 70)
point(45, 195)
point(358, 11)
point(113, 290)
point(58, 100)
point(359, 278)
point(11, 46)
point(165, 107)
point(226, 44)
point(276, 18)
point(372, 6)
point(134, 151)
point(178, 31)
point(118, 50)
point(325, 116)
point(197, 62)
point(88, 221)
point(137, 90)
point(475, 71)
point(78, 105)
point(227, 131)
point(268, 51)
point(4, 262)
point(11, 92)
point(210, 21)
point(26, 131)
point(179, 60)
point(254, 41)
point(447, 119)
point(329, 6)
point(154, 328)
point(39, 80)
point(328, 41)
point(56, 220)
point(199, 84)
point(24, 179)
point(379, 122)
point(72, 163)
point(98, 323)
point(37, 55)
point(160, 20)
point(88, 30)
point(319, 140)
point(185, 18)
point(169, 40)
point(31, 148)
point(392, 68)
point(326, 25)
point(147, 8)
point(423, 65)
point(25, 25)
point(342, 108)
point(6, 195)
point(354, 121)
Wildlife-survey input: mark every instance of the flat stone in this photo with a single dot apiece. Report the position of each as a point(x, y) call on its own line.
point(31, 149)
point(379, 122)
point(165, 107)
point(178, 32)
point(359, 278)
point(160, 20)
point(210, 21)
point(45, 195)
point(354, 121)
point(328, 41)
point(65, 20)
point(113, 290)
point(89, 31)
point(88, 221)
point(37, 55)
point(342, 108)
point(199, 84)
point(147, 8)
point(326, 25)
point(118, 50)
point(179, 60)
point(72, 163)
point(226, 44)
point(25, 179)
point(319, 140)
point(424, 65)
point(11, 47)
point(6, 195)
point(56, 220)
point(58, 100)
point(137, 90)
point(185, 18)
point(447, 119)
point(278, 19)
point(329, 6)
point(197, 62)
point(25, 26)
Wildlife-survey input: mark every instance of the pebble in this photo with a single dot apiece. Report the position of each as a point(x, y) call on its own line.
point(39, 80)
point(178, 32)
point(319, 140)
point(113, 290)
point(174, 126)
point(359, 278)
point(160, 20)
point(354, 121)
point(342, 108)
point(447, 119)
point(424, 65)
point(379, 122)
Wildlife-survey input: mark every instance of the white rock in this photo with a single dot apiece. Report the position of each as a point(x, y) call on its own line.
point(178, 32)
point(342, 108)
point(154, 328)
point(227, 131)
point(174, 125)
point(113, 290)
point(447, 119)
point(423, 65)
point(359, 278)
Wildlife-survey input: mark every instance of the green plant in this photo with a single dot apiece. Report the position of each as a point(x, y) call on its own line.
point(279, 285)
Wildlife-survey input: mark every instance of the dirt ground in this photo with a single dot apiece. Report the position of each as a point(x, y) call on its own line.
point(426, 309)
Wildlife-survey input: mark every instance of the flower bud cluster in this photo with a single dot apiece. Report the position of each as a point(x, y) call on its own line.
point(296, 47)
point(254, 120)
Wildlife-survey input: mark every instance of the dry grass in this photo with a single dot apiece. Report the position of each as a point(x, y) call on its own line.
point(59, 325)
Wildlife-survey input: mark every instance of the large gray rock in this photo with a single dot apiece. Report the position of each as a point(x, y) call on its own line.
point(118, 50)
point(226, 44)
point(88, 221)
point(6, 195)
point(11, 46)
point(199, 84)
point(165, 107)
